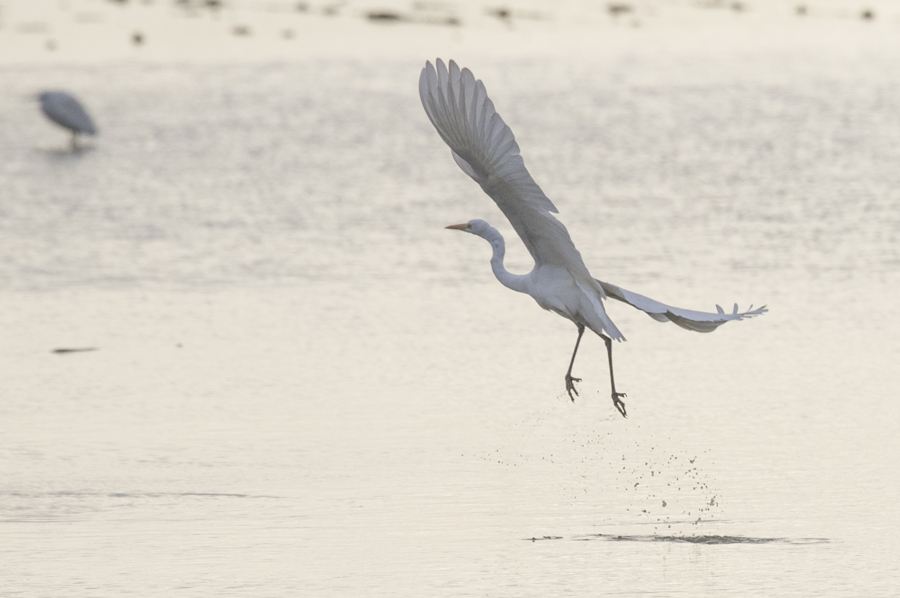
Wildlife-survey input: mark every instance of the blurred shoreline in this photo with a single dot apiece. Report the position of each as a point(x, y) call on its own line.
point(229, 31)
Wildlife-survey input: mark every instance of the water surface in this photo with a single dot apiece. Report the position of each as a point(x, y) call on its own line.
point(301, 384)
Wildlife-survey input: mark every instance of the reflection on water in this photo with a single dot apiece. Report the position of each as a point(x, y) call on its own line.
point(701, 539)
point(307, 385)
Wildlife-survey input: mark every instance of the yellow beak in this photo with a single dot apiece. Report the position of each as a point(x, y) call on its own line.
point(457, 226)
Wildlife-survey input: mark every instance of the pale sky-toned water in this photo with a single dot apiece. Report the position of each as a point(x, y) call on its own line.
point(304, 385)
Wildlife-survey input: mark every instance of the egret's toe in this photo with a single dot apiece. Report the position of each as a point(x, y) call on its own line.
point(618, 402)
point(570, 387)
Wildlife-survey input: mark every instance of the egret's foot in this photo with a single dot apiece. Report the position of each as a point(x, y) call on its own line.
point(570, 386)
point(618, 402)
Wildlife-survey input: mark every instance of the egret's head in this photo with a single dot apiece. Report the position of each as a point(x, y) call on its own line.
point(476, 227)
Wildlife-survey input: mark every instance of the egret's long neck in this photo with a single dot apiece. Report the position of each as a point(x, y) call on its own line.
point(515, 282)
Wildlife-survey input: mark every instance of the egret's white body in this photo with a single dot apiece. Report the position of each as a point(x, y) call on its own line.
point(485, 149)
point(63, 109)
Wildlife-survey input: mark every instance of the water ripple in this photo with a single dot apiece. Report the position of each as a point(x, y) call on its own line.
point(704, 539)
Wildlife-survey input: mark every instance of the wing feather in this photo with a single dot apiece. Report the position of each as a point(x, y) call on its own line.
point(698, 321)
point(485, 148)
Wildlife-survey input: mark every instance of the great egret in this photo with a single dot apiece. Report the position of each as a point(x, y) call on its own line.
point(484, 148)
point(63, 109)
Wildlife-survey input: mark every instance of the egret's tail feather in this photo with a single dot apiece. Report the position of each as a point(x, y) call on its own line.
point(698, 321)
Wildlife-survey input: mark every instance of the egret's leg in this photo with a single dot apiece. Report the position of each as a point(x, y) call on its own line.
point(570, 381)
point(612, 380)
point(74, 140)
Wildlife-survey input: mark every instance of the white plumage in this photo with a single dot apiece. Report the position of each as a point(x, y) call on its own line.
point(485, 149)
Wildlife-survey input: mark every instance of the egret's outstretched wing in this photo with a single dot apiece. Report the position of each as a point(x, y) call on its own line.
point(698, 321)
point(486, 150)
point(66, 111)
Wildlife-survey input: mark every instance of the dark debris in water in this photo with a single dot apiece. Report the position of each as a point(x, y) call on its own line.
point(63, 350)
point(385, 16)
point(618, 8)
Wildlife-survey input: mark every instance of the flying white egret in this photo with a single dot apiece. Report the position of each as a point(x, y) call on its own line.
point(484, 148)
point(63, 109)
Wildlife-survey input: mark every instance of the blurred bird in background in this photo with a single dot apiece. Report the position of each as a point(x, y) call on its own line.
point(66, 111)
